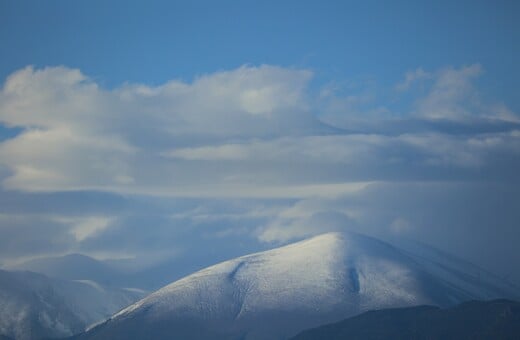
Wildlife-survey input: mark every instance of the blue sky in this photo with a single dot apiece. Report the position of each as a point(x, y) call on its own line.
point(153, 130)
point(156, 41)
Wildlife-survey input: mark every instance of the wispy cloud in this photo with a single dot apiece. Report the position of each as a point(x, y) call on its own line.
point(412, 77)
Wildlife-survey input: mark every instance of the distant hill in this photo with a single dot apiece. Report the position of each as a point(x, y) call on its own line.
point(498, 319)
point(34, 306)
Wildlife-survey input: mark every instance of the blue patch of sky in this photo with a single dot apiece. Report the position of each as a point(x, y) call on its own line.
point(8, 132)
point(155, 41)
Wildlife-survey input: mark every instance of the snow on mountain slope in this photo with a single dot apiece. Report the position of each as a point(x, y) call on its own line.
point(277, 293)
point(34, 306)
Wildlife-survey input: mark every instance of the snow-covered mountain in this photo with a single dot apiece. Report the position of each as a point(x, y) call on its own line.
point(277, 293)
point(34, 306)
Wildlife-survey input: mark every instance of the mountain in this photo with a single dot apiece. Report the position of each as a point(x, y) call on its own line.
point(34, 306)
point(499, 319)
point(73, 267)
point(278, 293)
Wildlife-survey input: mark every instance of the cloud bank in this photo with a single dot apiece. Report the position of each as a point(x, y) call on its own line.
point(249, 132)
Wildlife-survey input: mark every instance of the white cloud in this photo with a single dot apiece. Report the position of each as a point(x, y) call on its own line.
point(411, 77)
point(84, 227)
point(452, 94)
point(247, 132)
point(79, 136)
point(309, 217)
point(355, 149)
point(60, 158)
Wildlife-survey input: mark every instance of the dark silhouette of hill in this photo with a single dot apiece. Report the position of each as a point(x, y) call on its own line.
point(497, 319)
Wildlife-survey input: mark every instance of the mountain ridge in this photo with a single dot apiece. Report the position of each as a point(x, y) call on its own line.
point(310, 282)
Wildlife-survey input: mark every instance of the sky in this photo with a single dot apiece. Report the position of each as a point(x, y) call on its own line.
point(198, 131)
